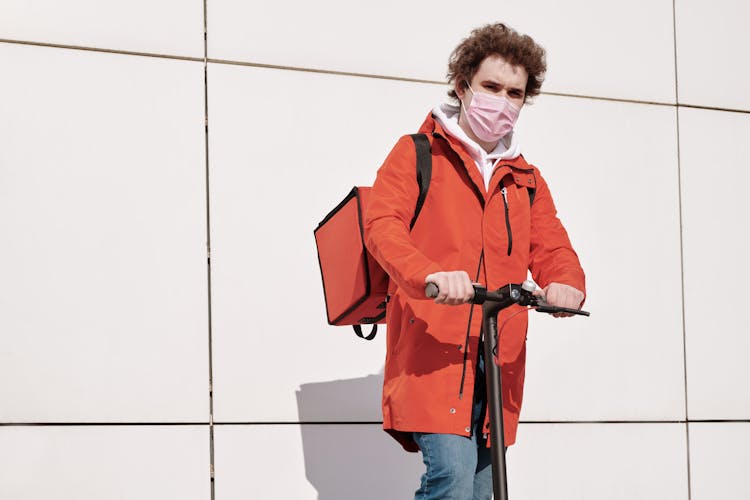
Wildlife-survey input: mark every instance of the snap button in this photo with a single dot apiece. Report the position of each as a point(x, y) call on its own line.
point(468, 429)
point(460, 347)
point(452, 410)
point(411, 321)
point(529, 181)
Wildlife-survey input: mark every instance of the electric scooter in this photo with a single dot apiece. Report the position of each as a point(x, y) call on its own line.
point(492, 303)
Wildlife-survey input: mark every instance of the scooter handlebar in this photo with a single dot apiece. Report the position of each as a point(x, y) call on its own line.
point(431, 290)
point(521, 294)
point(480, 296)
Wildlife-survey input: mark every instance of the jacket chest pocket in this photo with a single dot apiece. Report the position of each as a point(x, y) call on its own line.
point(517, 199)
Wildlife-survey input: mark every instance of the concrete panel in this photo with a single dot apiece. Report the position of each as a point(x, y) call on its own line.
point(712, 41)
point(171, 27)
point(610, 49)
point(113, 462)
point(714, 152)
point(285, 148)
point(312, 461)
point(612, 170)
point(103, 306)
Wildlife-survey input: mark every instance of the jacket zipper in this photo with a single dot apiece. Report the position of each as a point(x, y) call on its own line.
point(468, 330)
point(480, 196)
point(504, 191)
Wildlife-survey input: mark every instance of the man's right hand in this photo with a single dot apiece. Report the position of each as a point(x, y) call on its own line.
point(455, 287)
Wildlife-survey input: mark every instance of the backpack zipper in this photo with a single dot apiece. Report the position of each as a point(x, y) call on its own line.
point(504, 191)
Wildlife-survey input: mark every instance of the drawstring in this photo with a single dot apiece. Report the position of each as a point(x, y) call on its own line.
point(468, 331)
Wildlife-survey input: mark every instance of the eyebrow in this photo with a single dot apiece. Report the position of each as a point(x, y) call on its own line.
point(510, 89)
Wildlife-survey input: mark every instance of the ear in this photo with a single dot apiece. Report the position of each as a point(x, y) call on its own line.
point(458, 87)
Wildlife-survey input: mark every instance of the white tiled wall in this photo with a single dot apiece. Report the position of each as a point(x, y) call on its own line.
point(107, 316)
point(312, 461)
point(617, 461)
point(172, 27)
point(712, 53)
point(619, 201)
point(103, 222)
point(713, 153)
point(269, 191)
point(112, 462)
point(613, 461)
point(611, 49)
point(719, 460)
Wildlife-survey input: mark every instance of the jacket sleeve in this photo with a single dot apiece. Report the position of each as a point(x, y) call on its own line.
point(552, 258)
point(391, 206)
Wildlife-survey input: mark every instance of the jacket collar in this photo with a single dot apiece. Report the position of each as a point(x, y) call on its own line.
point(432, 127)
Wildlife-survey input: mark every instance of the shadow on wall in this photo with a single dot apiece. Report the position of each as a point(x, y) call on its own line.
point(352, 460)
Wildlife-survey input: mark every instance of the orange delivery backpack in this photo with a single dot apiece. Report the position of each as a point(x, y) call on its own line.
point(355, 287)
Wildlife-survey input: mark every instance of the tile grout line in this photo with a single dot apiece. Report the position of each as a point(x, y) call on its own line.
point(301, 69)
point(363, 422)
point(682, 252)
point(211, 471)
point(101, 49)
point(206, 60)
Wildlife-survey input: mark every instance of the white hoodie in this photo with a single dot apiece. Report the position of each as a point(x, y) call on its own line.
point(507, 149)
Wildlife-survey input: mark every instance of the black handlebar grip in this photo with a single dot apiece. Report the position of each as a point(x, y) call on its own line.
point(480, 293)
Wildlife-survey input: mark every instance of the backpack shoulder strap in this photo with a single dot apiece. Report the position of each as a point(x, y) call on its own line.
point(424, 175)
point(424, 171)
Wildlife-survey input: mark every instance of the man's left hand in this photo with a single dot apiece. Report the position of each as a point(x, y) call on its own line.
point(558, 294)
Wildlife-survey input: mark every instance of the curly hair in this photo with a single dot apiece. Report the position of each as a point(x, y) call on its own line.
point(497, 39)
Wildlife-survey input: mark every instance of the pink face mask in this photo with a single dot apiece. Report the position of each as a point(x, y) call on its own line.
point(490, 117)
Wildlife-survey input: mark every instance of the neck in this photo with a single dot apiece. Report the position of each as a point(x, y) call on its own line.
point(463, 122)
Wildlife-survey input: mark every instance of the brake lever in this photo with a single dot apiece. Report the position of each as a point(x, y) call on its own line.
point(541, 306)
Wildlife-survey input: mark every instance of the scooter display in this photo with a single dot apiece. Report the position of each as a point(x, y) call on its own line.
point(492, 303)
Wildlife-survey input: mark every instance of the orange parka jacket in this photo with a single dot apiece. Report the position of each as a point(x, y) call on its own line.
point(496, 236)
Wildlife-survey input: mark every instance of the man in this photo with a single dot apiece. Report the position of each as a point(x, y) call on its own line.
point(488, 218)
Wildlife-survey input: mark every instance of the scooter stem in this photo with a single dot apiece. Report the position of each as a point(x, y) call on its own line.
point(494, 399)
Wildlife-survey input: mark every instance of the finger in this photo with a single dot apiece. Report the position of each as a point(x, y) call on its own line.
point(443, 290)
point(469, 295)
point(564, 299)
point(573, 299)
point(552, 295)
point(561, 315)
point(461, 289)
point(453, 289)
point(446, 289)
point(462, 283)
point(468, 288)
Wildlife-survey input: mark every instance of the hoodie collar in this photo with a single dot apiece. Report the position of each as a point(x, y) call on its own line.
point(507, 148)
point(433, 126)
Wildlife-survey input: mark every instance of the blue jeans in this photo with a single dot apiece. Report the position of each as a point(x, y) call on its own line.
point(458, 467)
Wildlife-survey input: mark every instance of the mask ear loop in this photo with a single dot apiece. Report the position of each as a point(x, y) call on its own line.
point(468, 86)
point(461, 106)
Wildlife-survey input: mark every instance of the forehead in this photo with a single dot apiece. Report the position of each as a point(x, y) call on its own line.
point(495, 68)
